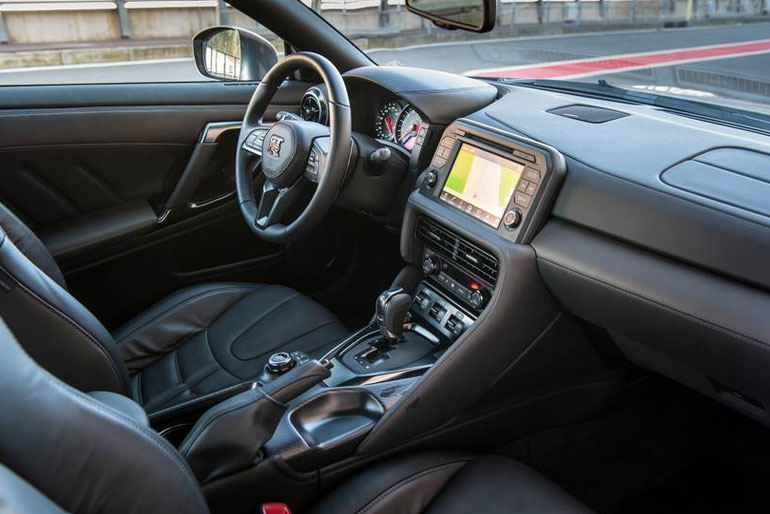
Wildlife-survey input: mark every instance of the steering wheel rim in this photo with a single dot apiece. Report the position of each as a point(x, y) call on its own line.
point(332, 169)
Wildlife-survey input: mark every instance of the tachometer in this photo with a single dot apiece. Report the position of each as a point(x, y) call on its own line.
point(387, 118)
point(407, 127)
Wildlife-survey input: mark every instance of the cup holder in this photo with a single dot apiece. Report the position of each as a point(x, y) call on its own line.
point(337, 418)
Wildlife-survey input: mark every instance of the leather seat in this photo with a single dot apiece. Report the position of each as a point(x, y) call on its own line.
point(448, 483)
point(196, 343)
point(65, 451)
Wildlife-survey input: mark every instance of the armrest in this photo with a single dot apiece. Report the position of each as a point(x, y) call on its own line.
point(69, 238)
point(228, 437)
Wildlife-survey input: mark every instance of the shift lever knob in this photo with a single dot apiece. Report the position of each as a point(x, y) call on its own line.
point(391, 308)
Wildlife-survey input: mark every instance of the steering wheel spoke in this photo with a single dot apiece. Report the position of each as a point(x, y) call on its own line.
point(274, 203)
point(253, 142)
point(316, 161)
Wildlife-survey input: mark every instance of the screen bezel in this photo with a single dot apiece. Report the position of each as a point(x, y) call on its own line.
point(455, 152)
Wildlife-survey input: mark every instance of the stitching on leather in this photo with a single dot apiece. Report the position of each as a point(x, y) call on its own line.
point(263, 316)
point(152, 436)
point(180, 389)
point(96, 343)
point(214, 355)
point(672, 309)
point(139, 388)
point(392, 489)
point(211, 292)
point(175, 358)
point(283, 343)
point(194, 437)
point(204, 397)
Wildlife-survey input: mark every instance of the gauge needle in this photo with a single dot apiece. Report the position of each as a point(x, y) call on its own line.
point(414, 128)
point(389, 125)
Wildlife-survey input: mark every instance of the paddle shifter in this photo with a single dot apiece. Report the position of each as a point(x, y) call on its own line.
point(391, 308)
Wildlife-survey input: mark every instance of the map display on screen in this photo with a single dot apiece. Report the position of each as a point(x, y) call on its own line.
point(481, 183)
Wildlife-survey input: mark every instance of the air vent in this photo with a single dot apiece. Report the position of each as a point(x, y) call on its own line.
point(312, 107)
point(459, 250)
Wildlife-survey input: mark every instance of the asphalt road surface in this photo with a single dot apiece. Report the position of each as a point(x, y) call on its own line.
point(732, 61)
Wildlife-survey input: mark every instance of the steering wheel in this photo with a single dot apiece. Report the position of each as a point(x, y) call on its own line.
point(294, 154)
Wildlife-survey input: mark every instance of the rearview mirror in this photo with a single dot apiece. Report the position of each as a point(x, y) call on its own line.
point(231, 53)
point(473, 15)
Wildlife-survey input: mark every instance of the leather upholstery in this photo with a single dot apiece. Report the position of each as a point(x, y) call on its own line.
point(122, 404)
point(227, 331)
point(63, 451)
point(55, 329)
point(17, 496)
point(447, 483)
point(85, 457)
point(196, 342)
point(30, 245)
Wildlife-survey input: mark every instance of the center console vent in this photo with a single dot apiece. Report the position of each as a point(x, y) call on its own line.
point(463, 253)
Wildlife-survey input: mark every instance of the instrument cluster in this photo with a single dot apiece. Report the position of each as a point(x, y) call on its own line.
point(397, 121)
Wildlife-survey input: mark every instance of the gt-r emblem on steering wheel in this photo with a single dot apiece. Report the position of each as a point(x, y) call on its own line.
point(274, 145)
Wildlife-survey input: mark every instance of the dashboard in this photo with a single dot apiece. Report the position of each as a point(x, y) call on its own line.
point(651, 224)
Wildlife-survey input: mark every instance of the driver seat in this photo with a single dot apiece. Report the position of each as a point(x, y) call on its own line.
point(190, 346)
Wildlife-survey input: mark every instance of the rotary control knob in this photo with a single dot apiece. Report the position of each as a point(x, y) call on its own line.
point(431, 265)
point(512, 219)
point(429, 179)
point(280, 362)
point(478, 299)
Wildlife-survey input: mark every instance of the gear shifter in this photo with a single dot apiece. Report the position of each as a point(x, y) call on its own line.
point(391, 308)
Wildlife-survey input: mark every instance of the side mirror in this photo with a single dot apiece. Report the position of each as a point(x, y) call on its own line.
point(231, 53)
point(472, 15)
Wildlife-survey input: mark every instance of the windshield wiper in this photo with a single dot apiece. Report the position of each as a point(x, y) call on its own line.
point(602, 88)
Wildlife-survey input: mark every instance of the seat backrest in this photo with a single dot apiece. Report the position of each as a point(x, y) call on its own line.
point(52, 326)
point(82, 455)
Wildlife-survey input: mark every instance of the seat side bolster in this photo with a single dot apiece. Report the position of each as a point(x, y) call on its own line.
point(54, 328)
point(159, 329)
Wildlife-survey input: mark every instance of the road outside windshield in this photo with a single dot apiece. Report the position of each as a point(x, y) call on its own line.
point(708, 50)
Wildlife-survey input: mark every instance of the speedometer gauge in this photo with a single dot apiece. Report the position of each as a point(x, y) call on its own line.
point(407, 127)
point(387, 118)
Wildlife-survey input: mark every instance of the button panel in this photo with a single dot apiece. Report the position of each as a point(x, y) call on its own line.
point(439, 313)
point(253, 143)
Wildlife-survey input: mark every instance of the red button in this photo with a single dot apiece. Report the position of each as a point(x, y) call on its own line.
point(275, 508)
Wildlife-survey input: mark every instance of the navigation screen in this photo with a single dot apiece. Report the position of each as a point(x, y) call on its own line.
point(481, 183)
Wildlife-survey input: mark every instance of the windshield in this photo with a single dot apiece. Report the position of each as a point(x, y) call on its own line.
point(704, 50)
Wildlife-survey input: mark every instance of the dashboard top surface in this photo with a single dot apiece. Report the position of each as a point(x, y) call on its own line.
point(614, 181)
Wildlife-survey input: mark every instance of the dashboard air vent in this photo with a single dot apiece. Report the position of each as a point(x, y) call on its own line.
point(312, 107)
point(467, 255)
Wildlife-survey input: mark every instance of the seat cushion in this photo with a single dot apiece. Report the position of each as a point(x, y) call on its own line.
point(206, 338)
point(449, 483)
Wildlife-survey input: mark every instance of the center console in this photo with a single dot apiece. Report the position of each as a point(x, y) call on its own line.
point(470, 304)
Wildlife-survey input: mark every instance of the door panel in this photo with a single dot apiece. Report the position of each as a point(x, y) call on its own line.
point(92, 167)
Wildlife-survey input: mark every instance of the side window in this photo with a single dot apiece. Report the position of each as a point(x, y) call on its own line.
point(115, 41)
